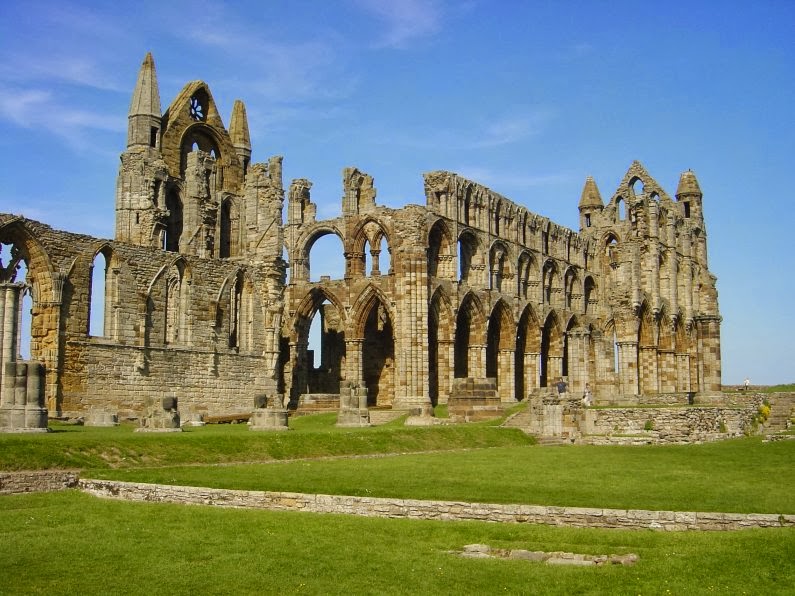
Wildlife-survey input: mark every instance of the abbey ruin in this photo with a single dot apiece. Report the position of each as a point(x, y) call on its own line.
point(209, 294)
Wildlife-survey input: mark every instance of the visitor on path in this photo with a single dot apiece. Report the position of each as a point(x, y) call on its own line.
point(746, 383)
point(586, 396)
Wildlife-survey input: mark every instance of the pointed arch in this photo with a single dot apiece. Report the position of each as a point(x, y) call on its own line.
point(500, 349)
point(470, 335)
point(469, 257)
point(528, 350)
point(551, 350)
point(373, 322)
point(441, 251)
point(499, 265)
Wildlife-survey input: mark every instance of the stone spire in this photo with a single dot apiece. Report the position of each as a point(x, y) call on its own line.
point(590, 195)
point(688, 185)
point(238, 132)
point(144, 120)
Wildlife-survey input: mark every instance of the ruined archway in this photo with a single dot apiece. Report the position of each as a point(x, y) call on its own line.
point(500, 346)
point(375, 328)
point(469, 338)
point(551, 351)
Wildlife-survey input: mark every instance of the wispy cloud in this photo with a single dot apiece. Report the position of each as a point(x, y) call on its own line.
point(512, 128)
point(405, 21)
point(43, 110)
point(73, 70)
point(510, 180)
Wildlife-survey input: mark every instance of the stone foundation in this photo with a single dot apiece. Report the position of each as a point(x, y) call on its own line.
point(581, 517)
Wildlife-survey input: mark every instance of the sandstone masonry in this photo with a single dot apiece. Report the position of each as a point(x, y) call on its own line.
point(479, 291)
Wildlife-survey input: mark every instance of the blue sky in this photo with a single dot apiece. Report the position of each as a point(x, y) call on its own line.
point(527, 98)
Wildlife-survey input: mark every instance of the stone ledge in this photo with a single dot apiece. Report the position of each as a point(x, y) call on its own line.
point(581, 517)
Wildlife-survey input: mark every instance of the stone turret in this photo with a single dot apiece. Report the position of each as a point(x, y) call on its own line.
point(144, 120)
point(590, 203)
point(238, 132)
point(689, 196)
point(140, 187)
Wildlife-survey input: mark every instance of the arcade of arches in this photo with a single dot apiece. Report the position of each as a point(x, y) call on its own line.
point(215, 290)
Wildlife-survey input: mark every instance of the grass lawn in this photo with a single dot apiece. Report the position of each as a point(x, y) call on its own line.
point(70, 543)
point(312, 436)
point(741, 475)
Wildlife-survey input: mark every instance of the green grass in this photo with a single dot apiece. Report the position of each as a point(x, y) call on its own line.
point(71, 543)
point(742, 475)
point(788, 387)
point(81, 447)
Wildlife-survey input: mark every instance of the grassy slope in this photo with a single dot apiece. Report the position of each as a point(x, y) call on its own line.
point(69, 543)
point(743, 475)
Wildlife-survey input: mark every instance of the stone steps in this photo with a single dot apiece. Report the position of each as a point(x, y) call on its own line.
point(378, 417)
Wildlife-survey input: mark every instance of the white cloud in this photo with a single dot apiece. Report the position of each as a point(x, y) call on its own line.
point(405, 20)
point(72, 70)
point(42, 110)
point(513, 128)
point(493, 178)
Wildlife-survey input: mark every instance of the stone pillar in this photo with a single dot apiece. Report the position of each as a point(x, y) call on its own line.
point(683, 372)
point(709, 353)
point(476, 366)
point(628, 363)
point(353, 360)
point(445, 368)
point(10, 295)
point(530, 372)
point(577, 361)
point(647, 370)
point(554, 369)
point(506, 361)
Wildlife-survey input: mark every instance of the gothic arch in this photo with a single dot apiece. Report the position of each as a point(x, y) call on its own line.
point(441, 251)
point(528, 350)
point(303, 249)
point(369, 232)
point(373, 323)
point(551, 350)
point(499, 265)
point(500, 348)
point(470, 337)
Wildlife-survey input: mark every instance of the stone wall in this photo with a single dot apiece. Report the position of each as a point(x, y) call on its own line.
point(630, 519)
point(36, 482)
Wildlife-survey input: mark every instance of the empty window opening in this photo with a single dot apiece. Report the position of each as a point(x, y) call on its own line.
point(96, 319)
point(153, 136)
point(587, 220)
point(327, 258)
point(173, 223)
point(687, 208)
point(385, 258)
point(620, 209)
point(15, 270)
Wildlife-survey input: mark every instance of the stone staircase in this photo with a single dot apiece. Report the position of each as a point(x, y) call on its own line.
point(378, 417)
point(781, 411)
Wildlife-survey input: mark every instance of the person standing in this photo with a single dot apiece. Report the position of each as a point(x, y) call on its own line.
point(746, 383)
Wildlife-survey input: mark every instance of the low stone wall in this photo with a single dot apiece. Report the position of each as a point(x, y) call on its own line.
point(34, 482)
point(435, 510)
point(667, 425)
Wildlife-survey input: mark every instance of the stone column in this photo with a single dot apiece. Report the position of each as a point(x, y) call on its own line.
point(445, 368)
point(647, 370)
point(353, 361)
point(10, 294)
point(506, 360)
point(530, 372)
point(709, 353)
point(628, 363)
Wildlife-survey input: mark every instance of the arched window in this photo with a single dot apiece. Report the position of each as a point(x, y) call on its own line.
point(620, 209)
point(174, 221)
point(97, 308)
point(326, 258)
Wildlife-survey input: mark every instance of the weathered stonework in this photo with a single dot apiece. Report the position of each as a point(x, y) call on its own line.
point(198, 304)
point(582, 517)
